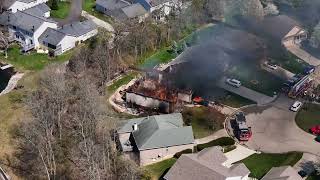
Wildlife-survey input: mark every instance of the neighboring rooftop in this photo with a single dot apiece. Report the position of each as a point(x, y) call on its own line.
point(51, 36)
point(8, 3)
point(159, 131)
point(27, 21)
point(282, 173)
point(134, 10)
point(205, 165)
point(112, 4)
point(78, 28)
point(38, 10)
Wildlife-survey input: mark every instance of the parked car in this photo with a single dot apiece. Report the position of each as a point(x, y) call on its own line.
point(315, 130)
point(296, 106)
point(233, 82)
point(271, 65)
point(318, 138)
point(309, 70)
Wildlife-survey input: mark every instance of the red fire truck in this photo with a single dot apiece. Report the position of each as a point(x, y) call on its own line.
point(300, 87)
point(243, 132)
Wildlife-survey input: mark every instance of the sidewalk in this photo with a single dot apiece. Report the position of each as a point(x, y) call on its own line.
point(216, 135)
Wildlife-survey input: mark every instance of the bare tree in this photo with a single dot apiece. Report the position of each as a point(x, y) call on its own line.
point(4, 43)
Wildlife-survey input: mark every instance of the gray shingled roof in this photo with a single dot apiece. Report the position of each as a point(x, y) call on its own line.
point(38, 10)
point(134, 10)
point(154, 3)
point(51, 36)
point(8, 3)
point(78, 28)
point(159, 131)
point(282, 173)
point(112, 4)
point(205, 165)
point(27, 21)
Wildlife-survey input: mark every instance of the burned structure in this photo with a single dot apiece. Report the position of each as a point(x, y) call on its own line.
point(155, 92)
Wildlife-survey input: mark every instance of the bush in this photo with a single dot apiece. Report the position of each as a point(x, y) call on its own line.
point(186, 151)
point(224, 141)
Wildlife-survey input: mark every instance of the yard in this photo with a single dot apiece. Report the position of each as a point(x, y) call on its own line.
point(32, 60)
point(308, 116)
point(260, 164)
point(158, 169)
point(125, 79)
point(62, 11)
point(291, 63)
point(235, 101)
point(204, 121)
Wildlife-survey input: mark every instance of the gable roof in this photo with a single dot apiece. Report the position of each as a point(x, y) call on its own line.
point(159, 131)
point(8, 3)
point(205, 165)
point(51, 36)
point(112, 4)
point(282, 173)
point(38, 10)
point(78, 28)
point(27, 21)
point(134, 10)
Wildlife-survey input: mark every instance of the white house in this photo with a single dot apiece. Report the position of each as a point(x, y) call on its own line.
point(26, 28)
point(58, 41)
point(20, 5)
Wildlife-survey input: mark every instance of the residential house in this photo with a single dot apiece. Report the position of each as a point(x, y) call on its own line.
point(155, 138)
point(159, 8)
point(20, 5)
point(58, 41)
point(121, 10)
point(26, 28)
point(206, 165)
point(283, 173)
point(41, 10)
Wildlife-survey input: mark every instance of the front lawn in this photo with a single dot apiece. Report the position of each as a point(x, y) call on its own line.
point(204, 121)
point(236, 101)
point(125, 79)
point(158, 169)
point(223, 141)
point(260, 164)
point(31, 60)
point(308, 116)
point(62, 11)
point(291, 63)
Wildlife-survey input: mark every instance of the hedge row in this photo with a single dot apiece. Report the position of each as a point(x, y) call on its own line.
point(223, 141)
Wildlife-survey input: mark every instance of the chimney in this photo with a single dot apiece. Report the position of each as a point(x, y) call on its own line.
point(135, 127)
point(32, 28)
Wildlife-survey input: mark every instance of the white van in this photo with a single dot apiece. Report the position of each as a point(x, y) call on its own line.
point(233, 82)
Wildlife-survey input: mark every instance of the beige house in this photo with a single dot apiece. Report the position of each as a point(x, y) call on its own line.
point(155, 138)
point(206, 165)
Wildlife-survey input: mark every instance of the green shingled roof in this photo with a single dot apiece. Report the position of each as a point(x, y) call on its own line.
point(159, 131)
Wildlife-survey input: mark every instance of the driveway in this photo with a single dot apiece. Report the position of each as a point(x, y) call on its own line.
point(280, 72)
point(275, 131)
point(260, 98)
point(98, 22)
point(302, 54)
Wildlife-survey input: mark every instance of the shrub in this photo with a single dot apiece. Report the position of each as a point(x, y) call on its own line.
point(186, 151)
point(223, 141)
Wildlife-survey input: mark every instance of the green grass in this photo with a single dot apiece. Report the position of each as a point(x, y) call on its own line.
point(204, 121)
point(89, 6)
point(122, 81)
point(223, 141)
point(62, 11)
point(236, 101)
point(260, 164)
point(32, 60)
point(290, 63)
point(308, 116)
point(159, 168)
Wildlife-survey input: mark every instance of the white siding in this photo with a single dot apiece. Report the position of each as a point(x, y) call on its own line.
point(67, 43)
point(87, 35)
point(40, 30)
point(23, 6)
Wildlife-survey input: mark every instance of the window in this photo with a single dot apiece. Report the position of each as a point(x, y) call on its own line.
point(31, 42)
point(14, 27)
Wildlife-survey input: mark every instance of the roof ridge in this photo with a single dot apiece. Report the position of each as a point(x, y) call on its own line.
point(44, 19)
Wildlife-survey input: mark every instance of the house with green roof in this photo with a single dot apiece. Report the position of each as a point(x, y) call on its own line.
point(155, 138)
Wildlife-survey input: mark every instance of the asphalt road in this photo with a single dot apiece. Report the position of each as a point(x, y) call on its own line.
point(275, 131)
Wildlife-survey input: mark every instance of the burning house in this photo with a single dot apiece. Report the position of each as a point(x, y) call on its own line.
point(151, 93)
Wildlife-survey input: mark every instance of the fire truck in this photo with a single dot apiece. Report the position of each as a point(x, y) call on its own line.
point(302, 85)
point(242, 131)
